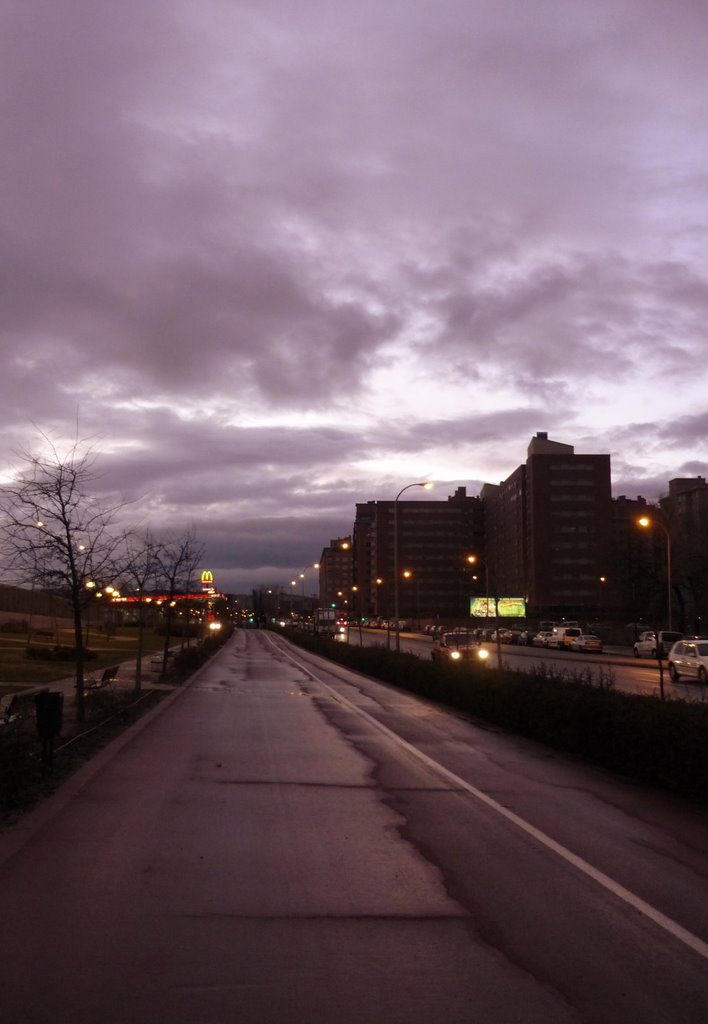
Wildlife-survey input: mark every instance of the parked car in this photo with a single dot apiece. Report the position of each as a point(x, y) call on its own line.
point(541, 638)
point(689, 658)
point(646, 645)
point(454, 647)
point(586, 642)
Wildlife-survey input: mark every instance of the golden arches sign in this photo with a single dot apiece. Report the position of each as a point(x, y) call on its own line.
point(207, 577)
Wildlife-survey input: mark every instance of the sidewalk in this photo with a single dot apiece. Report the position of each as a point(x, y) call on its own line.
point(122, 684)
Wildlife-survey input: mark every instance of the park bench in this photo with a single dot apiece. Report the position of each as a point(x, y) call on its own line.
point(93, 683)
point(17, 706)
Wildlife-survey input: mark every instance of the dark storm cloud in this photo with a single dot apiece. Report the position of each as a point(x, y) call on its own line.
point(274, 255)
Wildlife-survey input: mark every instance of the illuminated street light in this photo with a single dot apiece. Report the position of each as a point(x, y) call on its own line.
point(426, 485)
point(90, 585)
point(473, 560)
point(647, 523)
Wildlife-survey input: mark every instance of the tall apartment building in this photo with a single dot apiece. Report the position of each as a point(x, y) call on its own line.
point(669, 558)
point(635, 563)
point(686, 516)
point(548, 527)
point(337, 573)
point(434, 540)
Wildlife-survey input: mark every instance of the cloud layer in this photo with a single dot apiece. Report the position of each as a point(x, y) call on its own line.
point(281, 259)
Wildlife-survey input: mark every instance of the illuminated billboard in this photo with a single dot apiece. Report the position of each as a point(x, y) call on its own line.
point(509, 607)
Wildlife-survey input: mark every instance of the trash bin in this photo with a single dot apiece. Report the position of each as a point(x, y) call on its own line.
point(49, 708)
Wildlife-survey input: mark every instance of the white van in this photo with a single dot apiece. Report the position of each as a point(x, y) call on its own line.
point(562, 635)
point(646, 646)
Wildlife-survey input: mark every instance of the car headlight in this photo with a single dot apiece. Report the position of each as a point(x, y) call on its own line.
point(482, 654)
point(455, 655)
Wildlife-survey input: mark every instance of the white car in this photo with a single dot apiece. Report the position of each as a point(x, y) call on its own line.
point(541, 639)
point(689, 658)
point(586, 642)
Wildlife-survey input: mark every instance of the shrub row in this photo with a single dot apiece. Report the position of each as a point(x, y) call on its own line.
point(57, 652)
point(661, 743)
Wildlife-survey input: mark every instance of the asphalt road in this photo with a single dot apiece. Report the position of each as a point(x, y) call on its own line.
point(620, 668)
point(287, 841)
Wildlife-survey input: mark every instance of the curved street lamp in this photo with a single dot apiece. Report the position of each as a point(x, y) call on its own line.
point(426, 485)
point(474, 560)
point(647, 523)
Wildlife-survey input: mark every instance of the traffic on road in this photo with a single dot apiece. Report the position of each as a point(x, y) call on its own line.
point(614, 666)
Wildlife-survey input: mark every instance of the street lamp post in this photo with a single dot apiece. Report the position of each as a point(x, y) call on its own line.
point(90, 586)
point(426, 485)
point(646, 522)
point(473, 559)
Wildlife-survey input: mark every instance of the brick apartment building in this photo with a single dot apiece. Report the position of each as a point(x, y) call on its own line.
point(548, 529)
point(434, 540)
point(550, 533)
point(337, 573)
point(685, 512)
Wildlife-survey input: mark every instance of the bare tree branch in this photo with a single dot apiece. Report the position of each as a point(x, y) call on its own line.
point(56, 534)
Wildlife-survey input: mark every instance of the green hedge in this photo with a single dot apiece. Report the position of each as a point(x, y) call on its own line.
point(662, 743)
point(57, 653)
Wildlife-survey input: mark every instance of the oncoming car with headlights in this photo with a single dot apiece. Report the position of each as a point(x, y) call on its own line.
point(457, 646)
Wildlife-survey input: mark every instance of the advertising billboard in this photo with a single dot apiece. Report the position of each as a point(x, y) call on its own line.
point(509, 607)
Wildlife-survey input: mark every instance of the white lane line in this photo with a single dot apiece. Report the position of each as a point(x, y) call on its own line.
point(667, 923)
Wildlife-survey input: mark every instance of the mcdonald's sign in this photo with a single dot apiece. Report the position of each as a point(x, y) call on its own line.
point(207, 579)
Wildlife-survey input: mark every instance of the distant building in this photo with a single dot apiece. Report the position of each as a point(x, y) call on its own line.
point(686, 514)
point(547, 529)
point(550, 533)
point(337, 574)
point(434, 540)
point(670, 557)
point(635, 564)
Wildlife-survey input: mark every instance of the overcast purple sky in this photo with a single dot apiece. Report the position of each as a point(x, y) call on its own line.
point(282, 256)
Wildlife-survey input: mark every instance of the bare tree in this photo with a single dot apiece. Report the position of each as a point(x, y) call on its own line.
point(178, 557)
point(141, 564)
point(56, 534)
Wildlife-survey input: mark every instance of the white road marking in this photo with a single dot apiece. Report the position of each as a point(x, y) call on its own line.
point(669, 925)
